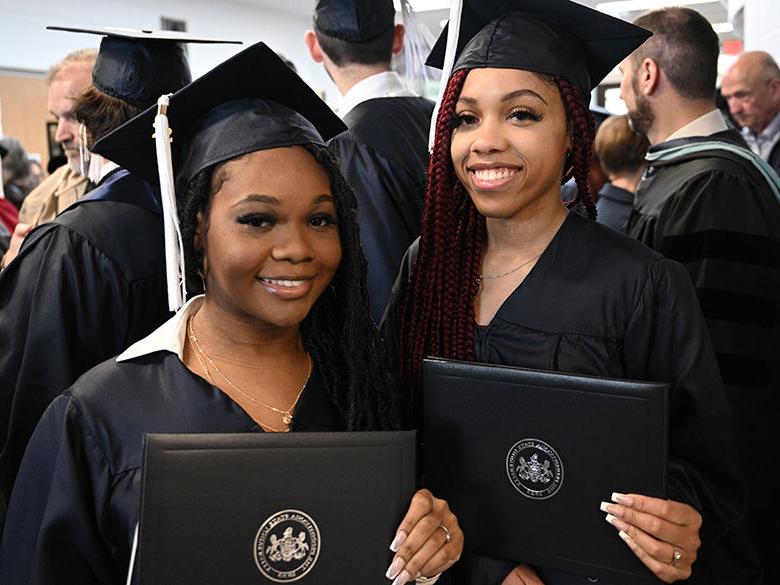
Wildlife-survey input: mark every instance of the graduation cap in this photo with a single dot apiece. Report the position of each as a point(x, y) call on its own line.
point(555, 37)
point(251, 102)
point(354, 21)
point(138, 66)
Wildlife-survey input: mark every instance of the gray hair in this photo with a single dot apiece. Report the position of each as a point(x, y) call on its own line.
point(82, 56)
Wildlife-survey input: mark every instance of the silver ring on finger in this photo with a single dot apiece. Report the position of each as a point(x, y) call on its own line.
point(676, 556)
point(447, 535)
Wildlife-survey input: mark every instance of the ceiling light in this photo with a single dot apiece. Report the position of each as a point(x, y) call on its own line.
point(424, 5)
point(722, 27)
point(622, 6)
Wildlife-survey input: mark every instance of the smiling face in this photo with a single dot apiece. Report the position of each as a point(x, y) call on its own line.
point(510, 141)
point(271, 241)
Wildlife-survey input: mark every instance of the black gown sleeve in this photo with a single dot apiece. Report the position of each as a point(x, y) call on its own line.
point(666, 340)
point(54, 531)
point(63, 309)
point(389, 206)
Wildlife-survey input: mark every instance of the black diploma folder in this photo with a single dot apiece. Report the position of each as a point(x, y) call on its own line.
point(257, 508)
point(524, 457)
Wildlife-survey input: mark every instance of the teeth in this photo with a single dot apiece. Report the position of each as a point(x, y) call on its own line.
point(493, 174)
point(285, 283)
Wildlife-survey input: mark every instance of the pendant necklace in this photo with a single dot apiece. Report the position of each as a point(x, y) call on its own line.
point(286, 414)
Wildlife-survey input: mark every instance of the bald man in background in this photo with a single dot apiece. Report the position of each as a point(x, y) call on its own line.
point(61, 189)
point(751, 87)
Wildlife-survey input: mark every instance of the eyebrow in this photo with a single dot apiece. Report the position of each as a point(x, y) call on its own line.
point(271, 200)
point(507, 97)
point(324, 198)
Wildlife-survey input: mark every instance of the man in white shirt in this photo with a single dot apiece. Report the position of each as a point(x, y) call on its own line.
point(713, 205)
point(384, 154)
point(751, 87)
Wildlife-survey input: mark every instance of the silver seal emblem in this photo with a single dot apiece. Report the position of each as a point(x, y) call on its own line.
point(287, 546)
point(534, 469)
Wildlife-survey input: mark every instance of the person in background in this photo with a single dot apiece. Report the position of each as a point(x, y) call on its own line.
point(621, 152)
point(18, 179)
point(713, 205)
point(9, 215)
point(384, 153)
point(66, 79)
point(751, 88)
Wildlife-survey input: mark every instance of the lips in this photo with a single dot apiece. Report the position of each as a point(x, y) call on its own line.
point(287, 287)
point(493, 176)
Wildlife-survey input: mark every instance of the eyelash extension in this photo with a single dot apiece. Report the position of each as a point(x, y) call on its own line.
point(254, 219)
point(526, 114)
point(329, 218)
point(453, 121)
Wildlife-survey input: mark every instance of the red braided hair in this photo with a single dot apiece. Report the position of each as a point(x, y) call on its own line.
point(437, 316)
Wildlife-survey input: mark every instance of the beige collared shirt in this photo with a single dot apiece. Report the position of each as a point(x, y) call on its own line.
point(705, 125)
point(56, 193)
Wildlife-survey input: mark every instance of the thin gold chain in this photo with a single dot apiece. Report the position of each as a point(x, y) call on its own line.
point(495, 276)
point(286, 415)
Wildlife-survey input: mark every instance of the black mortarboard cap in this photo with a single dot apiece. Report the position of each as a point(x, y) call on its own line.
point(138, 66)
point(555, 37)
point(252, 101)
point(355, 21)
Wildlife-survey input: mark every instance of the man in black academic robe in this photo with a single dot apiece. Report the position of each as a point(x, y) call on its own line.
point(709, 203)
point(91, 282)
point(383, 154)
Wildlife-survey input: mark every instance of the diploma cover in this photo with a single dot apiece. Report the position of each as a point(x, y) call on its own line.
point(524, 457)
point(272, 508)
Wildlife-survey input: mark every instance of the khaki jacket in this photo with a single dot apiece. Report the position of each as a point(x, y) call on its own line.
point(58, 191)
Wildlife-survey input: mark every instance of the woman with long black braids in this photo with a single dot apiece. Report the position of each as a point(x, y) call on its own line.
point(502, 273)
point(282, 339)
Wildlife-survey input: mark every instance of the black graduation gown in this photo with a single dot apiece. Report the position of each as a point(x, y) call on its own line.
point(75, 503)
point(717, 215)
point(83, 288)
point(614, 207)
point(384, 157)
point(599, 303)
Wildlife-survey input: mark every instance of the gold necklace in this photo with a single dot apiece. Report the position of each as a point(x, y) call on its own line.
point(286, 415)
point(495, 276)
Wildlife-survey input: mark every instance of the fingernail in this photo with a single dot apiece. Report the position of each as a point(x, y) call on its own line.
point(397, 542)
point(403, 578)
point(604, 506)
point(395, 567)
point(615, 522)
point(621, 498)
point(627, 539)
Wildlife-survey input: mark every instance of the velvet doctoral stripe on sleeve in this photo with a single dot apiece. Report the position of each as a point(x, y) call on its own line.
point(723, 223)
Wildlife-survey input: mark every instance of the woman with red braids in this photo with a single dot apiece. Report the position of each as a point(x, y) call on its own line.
point(502, 273)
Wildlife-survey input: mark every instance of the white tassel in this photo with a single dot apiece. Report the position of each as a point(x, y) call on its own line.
point(453, 30)
point(174, 256)
point(133, 552)
point(84, 154)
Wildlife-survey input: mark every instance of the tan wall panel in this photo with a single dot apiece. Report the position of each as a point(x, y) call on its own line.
point(23, 103)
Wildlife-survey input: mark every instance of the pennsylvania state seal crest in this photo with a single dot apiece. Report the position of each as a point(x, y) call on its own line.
point(534, 469)
point(287, 546)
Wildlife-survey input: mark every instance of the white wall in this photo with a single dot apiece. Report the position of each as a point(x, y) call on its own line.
point(28, 46)
point(761, 22)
